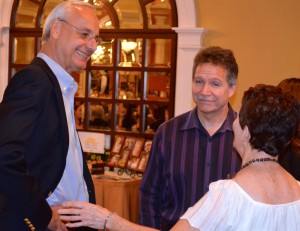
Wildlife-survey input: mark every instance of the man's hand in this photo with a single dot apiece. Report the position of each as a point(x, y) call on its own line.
point(56, 224)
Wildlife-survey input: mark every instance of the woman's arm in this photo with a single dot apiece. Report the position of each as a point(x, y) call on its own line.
point(79, 214)
point(183, 225)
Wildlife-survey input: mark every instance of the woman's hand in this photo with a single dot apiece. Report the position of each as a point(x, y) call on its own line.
point(89, 215)
point(83, 214)
point(56, 223)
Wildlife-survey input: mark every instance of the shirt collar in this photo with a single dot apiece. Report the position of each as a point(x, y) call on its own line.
point(66, 81)
point(231, 115)
point(194, 122)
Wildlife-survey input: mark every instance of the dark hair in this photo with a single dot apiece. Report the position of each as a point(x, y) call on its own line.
point(159, 112)
point(77, 105)
point(129, 119)
point(292, 86)
point(271, 116)
point(159, 116)
point(219, 57)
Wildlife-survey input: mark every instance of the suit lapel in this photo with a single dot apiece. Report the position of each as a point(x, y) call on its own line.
point(60, 102)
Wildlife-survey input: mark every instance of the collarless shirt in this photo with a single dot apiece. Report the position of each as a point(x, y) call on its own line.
point(72, 186)
point(184, 160)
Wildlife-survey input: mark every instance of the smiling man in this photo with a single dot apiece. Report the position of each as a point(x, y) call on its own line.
point(193, 149)
point(41, 161)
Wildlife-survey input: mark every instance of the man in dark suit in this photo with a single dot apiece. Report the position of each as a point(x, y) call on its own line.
point(41, 161)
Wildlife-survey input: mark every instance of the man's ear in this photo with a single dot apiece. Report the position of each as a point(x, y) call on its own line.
point(55, 28)
point(231, 90)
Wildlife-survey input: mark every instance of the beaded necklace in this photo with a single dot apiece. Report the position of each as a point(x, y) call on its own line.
point(258, 160)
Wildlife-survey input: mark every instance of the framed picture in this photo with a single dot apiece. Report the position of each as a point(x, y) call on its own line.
point(147, 145)
point(133, 163)
point(113, 160)
point(144, 156)
point(92, 142)
point(117, 147)
point(138, 146)
point(129, 143)
point(123, 158)
point(143, 161)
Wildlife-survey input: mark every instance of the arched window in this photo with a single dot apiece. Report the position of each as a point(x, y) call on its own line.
point(133, 70)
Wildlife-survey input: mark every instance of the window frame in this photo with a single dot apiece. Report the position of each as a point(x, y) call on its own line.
point(144, 33)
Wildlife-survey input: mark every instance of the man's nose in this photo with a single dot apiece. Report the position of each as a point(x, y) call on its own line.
point(205, 89)
point(92, 45)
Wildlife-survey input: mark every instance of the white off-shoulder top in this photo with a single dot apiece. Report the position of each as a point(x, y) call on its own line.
point(228, 207)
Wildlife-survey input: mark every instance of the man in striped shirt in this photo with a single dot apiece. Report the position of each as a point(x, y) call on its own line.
point(193, 149)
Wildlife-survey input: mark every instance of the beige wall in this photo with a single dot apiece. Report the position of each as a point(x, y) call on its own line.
point(264, 35)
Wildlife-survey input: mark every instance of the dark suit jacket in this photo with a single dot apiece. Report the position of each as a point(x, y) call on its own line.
point(33, 148)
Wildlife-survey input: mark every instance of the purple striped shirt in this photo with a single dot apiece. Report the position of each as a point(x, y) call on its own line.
point(183, 161)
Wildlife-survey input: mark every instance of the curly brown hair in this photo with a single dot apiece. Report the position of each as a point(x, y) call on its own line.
point(272, 117)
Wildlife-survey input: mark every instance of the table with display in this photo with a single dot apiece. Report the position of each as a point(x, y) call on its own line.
point(118, 194)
